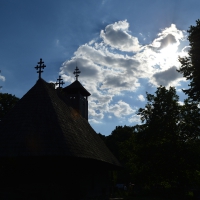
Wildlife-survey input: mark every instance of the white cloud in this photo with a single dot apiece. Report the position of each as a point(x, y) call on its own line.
point(117, 35)
point(141, 97)
point(169, 35)
point(95, 121)
point(166, 77)
point(168, 39)
point(121, 109)
point(135, 119)
point(106, 71)
point(186, 49)
point(95, 115)
point(181, 103)
point(2, 78)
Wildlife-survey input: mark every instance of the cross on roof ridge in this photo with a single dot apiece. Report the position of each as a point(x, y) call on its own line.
point(60, 82)
point(39, 67)
point(76, 73)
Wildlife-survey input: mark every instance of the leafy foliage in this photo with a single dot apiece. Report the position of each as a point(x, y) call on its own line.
point(190, 65)
point(158, 150)
point(117, 137)
point(190, 121)
point(168, 147)
point(7, 101)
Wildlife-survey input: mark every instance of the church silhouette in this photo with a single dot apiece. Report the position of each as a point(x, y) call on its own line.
point(48, 148)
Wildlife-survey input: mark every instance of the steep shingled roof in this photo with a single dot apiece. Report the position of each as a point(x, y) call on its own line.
point(41, 124)
point(75, 87)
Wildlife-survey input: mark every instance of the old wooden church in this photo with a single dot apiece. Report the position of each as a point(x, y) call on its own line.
point(49, 150)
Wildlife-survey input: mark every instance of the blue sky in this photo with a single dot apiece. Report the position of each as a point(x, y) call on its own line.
point(123, 49)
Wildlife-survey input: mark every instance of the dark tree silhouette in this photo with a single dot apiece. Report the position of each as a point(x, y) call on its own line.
point(158, 144)
point(166, 148)
point(190, 65)
point(7, 101)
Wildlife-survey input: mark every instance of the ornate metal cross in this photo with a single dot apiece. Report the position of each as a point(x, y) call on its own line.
point(60, 82)
point(76, 73)
point(39, 67)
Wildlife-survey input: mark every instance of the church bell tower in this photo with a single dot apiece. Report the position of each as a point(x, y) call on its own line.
point(77, 96)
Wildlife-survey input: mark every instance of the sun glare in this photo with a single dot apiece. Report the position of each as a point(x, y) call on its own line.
point(169, 51)
point(168, 56)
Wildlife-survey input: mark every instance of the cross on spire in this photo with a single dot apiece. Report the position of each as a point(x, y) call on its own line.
point(60, 82)
point(76, 73)
point(39, 67)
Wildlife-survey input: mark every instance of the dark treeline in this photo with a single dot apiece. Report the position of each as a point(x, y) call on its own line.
point(165, 149)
